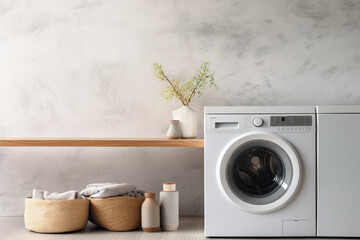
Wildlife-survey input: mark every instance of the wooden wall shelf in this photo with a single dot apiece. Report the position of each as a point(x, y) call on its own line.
point(100, 142)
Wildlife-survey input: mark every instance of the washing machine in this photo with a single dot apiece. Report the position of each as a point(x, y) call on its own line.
point(260, 171)
point(338, 205)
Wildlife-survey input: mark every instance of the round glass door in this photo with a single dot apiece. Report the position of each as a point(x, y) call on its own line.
point(259, 172)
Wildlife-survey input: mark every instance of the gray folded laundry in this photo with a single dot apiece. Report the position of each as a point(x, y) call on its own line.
point(104, 190)
point(45, 195)
point(136, 193)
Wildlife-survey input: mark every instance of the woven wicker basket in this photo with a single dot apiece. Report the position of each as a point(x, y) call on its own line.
point(116, 213)
point(56, 216)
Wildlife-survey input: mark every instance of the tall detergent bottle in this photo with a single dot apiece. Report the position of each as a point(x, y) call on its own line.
point(169, 207)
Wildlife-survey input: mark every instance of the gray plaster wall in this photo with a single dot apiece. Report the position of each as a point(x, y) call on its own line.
point(76, 68)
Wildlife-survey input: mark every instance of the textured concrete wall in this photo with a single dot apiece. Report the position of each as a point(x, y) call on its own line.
point(76, 68)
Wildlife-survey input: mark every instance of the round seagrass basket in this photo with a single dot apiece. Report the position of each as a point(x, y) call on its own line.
point(116, 213)
point(56, 216)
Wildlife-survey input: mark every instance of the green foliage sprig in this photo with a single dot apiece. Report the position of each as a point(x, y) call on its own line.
point(182, 90)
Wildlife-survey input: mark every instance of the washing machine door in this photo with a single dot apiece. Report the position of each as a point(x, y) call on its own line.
point(259, 172)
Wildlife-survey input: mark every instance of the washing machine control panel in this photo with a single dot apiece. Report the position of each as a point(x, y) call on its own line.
point(268, 122)
point(290, 121)
point(282, 123)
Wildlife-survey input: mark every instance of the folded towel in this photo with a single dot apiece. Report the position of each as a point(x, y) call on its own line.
point(104, 190)
point(101, 184)
point(136, 193)
point(45, 195)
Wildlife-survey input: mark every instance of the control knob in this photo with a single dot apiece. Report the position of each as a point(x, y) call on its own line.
point(258, 122)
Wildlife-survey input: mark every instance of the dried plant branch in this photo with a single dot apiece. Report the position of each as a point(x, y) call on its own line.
point(184, 91)
point(177, 93)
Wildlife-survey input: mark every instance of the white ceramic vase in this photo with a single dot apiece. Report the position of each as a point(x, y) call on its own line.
point(174, 130)
point(188, 121)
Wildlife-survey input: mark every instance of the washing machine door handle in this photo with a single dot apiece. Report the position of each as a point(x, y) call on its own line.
point(242, 150)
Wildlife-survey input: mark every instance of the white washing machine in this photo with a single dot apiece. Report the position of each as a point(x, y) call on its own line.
point(338, 171)
point(260, 166)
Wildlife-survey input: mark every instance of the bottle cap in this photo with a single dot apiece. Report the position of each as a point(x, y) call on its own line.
point(169, 187)
point(150, 194)
point(174, 121)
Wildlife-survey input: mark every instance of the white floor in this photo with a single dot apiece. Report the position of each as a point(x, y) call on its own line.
point(12, 228)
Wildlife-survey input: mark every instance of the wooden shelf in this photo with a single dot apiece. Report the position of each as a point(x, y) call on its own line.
point(100, 142)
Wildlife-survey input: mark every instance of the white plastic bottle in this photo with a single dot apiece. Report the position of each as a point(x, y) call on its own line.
point(169, 207)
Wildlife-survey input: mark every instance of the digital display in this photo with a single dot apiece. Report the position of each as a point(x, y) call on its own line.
point(276, 121)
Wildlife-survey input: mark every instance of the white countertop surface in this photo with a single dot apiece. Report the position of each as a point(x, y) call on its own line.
point(12, 228)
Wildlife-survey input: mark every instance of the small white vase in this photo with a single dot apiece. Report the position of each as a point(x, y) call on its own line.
point(188, 121)
point(174, 130)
